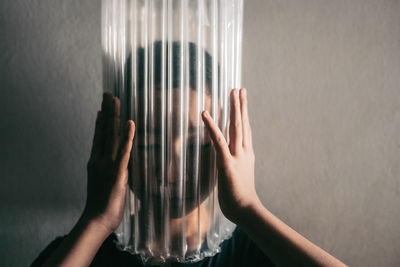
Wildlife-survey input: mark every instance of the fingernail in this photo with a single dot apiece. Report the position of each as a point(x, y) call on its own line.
point(206, 113)
point(244, 91)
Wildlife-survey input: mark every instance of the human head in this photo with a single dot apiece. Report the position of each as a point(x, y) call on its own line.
point(151, 113)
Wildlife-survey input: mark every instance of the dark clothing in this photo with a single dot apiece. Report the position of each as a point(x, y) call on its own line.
point(239, 250)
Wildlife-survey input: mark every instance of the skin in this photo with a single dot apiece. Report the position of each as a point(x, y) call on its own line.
point(238, 199)
point(186, 217)
point(173, 174)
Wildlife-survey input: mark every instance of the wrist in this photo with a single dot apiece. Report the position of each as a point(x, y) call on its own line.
point(81, 244)
point(248, 212)
point(96, 224)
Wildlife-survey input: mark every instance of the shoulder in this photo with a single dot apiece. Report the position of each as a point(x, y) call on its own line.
point(107, 255)
point(45, 254)
point(240, 250)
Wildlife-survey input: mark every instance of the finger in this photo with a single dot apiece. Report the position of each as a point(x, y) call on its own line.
point(125, 151)
point(114, 135)
point(245, 118)
point(106, 105)
point(216, 135)
point(235, 124)
point(98, 139)
point(101, 127)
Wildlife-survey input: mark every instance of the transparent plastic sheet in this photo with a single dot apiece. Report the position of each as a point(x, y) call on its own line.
point(167, 60)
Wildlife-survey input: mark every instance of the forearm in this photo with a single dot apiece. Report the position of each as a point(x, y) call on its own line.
point(283, 245)
point(80, 246)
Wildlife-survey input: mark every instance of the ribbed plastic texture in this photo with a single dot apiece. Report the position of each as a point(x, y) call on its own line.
point(167, 60)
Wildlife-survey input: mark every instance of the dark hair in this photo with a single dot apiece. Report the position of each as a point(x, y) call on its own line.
point(176, 65)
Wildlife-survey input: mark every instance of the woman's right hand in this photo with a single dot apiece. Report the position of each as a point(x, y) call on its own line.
point(106, 188)
point(108, 166)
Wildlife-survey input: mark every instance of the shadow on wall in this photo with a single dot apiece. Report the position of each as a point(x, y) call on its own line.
point(51, 89)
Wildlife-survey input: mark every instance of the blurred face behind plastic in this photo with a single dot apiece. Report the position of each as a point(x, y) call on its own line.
point(185, 179)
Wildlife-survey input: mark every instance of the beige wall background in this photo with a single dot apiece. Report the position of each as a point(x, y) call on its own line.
point(324, 85)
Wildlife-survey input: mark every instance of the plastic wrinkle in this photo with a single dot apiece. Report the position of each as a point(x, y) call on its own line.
point(167, 61)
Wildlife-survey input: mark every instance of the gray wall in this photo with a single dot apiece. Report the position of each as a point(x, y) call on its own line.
point(324, 86)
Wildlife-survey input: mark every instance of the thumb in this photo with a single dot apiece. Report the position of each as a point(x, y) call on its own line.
point(125, 149)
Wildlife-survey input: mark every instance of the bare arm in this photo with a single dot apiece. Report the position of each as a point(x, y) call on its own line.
point(106, 189)
point(280, 242)
point(80, 246)
point(239, 201)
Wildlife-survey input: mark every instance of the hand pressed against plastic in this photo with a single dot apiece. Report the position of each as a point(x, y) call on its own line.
point(108, 166)
point(236, 188)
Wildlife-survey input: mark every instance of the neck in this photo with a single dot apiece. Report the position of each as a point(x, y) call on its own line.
point(196, 224)
point(192, 229)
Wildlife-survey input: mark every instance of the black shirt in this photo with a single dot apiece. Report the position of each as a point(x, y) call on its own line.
point(239, 250)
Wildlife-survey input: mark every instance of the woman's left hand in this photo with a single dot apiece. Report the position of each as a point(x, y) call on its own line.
point(236, 188)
